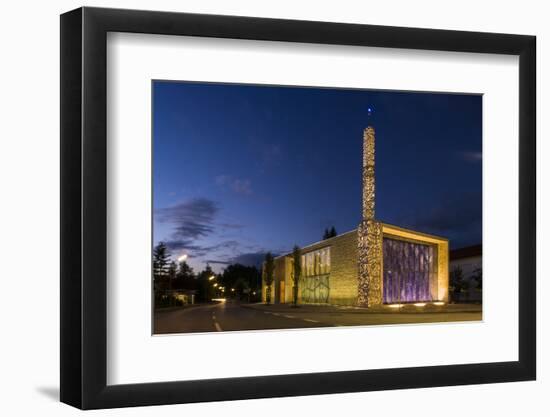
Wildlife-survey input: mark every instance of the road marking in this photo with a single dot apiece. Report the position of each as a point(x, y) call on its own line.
point(289, 317)
point(276, 314)
point(311, 321)
point(217, 326)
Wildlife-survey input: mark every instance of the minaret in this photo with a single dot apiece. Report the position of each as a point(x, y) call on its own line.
point(368, 174)
point(369, 232)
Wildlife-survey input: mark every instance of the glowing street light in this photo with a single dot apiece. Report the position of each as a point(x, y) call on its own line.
point(215, 284)
point(182, 258)
point(211, 277)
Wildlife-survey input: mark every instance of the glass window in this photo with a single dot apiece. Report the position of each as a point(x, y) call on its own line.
point(316, 262)
point(410, 270)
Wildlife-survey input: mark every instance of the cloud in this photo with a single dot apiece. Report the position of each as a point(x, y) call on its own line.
point(458, 218)
point(268, 155)
point(177, 245)
point(233, 226)
point(237, 185)
point(271, 153)
point(222, 180)
point(454, 213)
point(470, 156)
point(242, 186)
point(191, 219)
point(249, 259)
point(194, 226)
point(211, 261)
point(197, 250)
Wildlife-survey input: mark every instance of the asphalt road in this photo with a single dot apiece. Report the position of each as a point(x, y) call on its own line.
point(233, 316)
point(224, 317)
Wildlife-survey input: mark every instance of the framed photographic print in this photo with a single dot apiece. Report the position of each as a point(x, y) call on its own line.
point(258, 208)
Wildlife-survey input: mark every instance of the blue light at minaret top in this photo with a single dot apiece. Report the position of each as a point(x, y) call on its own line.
point(370, 111)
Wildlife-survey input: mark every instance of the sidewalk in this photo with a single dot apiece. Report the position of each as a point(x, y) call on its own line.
point(406, 308)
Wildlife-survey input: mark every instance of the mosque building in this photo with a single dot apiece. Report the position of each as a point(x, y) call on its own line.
point(374, 265)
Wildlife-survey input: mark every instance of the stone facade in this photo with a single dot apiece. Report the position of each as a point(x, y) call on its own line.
point(369, 263)
point(369, 232)
point(343, 272)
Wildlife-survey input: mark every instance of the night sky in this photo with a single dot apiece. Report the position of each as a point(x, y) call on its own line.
point(239, 170)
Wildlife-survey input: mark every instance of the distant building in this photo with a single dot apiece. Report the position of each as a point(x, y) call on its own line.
point(468, 259)
point(370, 266)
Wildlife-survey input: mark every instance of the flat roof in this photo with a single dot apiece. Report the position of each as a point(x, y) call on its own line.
point(355, 231)
point(404, 229)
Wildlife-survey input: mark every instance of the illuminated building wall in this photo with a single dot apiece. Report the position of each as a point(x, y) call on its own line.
point(329, 272)
point(439, 267)
point(409, 270)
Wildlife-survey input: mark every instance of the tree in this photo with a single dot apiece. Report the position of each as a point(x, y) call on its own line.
point(184, 270)
point(160, 262)
point(268, 269)
point(205, 286)
point(240, 287)
point(185, 277)
point(329, 233)
point(245, 280)
point(296, 273)
point(457, 280)
point(172, 269)
point(478, 277)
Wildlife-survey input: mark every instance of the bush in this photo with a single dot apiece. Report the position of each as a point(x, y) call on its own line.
point(165, 300)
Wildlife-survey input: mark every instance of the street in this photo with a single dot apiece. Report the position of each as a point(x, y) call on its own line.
point(230, 316)
point(224, 317)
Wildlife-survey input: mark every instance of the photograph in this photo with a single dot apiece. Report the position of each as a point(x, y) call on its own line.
point(291, 207)
point(234, 185)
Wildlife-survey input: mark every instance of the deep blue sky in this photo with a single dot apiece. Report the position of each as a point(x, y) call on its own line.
point(239, 170)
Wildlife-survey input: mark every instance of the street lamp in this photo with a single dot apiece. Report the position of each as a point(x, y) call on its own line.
point(211, 277)
point(182, 258)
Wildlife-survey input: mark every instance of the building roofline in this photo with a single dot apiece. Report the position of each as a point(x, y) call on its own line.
point(428, 235)
point(318, 242)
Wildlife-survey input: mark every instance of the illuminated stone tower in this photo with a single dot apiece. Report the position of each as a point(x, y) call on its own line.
point(369, 232)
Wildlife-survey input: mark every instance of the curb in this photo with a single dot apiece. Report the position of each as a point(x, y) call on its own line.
point(358, 310)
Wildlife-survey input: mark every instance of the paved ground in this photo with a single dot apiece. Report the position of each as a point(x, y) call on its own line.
point(233, 316)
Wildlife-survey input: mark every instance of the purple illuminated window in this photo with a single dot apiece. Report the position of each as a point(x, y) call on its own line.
point(409, 271)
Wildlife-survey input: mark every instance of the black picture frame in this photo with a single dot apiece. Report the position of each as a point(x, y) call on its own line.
point(84, 207)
